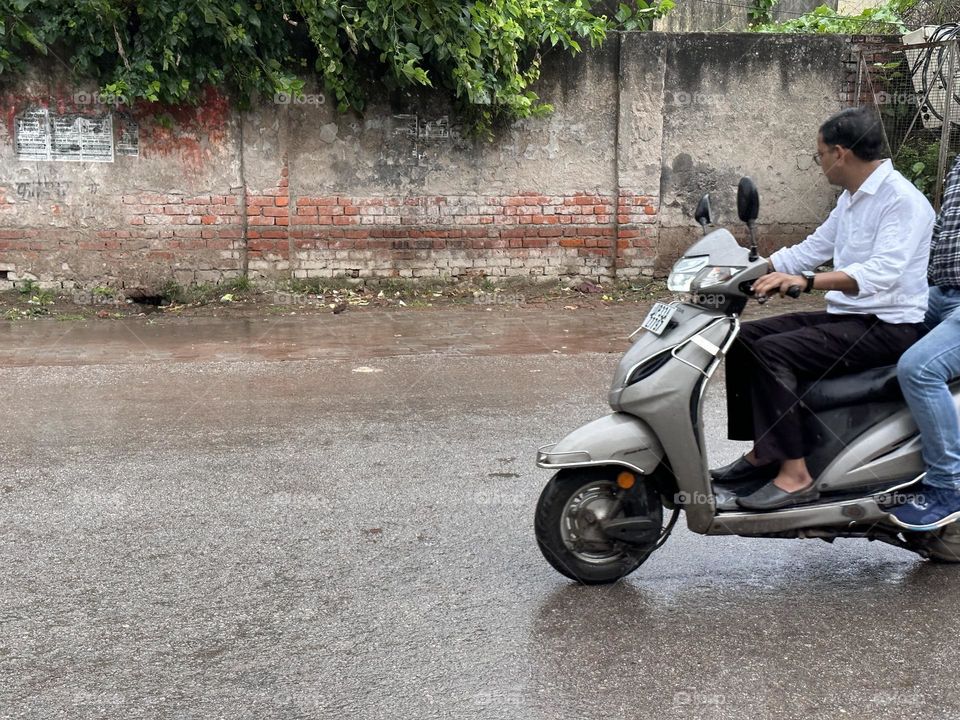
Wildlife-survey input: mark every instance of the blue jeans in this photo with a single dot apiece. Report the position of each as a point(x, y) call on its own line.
point(923, 371)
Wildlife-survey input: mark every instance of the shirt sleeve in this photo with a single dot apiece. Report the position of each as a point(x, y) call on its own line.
point(893, 248)
point(812, 252)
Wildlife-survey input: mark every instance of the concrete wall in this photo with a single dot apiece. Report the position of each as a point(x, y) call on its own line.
point(728, 16)
point(604, 186)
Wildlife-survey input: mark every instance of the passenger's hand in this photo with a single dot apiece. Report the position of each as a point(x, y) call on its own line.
point(776, 282)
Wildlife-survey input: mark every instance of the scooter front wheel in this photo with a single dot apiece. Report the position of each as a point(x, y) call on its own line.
point(569, 524)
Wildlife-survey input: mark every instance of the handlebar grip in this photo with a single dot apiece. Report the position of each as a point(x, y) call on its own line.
point(794, 291)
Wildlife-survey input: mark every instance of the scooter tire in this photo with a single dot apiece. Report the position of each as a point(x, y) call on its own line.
point(622, 559)
point(942, 545)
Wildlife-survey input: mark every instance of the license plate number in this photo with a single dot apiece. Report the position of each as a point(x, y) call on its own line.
point(658, 318)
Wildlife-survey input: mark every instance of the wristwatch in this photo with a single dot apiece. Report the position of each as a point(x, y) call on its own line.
point(808, 276)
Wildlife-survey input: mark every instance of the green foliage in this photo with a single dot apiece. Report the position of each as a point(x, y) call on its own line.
point(883, 19)
point(486, 53)
point(642, 14)
point(919, 162)
point(28, 287)
point(761, 12)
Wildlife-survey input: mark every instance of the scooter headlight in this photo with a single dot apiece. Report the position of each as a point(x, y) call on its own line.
point(684, 271)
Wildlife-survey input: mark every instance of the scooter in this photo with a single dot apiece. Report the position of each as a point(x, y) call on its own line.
point(601, 515)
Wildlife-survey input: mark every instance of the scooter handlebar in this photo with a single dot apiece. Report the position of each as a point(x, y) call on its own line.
point(793, 291)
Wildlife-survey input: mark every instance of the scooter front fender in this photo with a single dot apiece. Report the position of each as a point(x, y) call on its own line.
point(615, 439)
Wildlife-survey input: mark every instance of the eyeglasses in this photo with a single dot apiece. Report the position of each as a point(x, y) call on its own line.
point(818, 158)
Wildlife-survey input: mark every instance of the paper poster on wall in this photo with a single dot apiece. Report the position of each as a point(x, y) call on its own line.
point(45, 136)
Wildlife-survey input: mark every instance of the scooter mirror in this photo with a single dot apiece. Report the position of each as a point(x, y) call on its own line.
point(702, 214)
point(748, 200)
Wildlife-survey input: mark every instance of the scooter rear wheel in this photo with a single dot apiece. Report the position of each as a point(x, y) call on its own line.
point(942, 545)
point(567, 524)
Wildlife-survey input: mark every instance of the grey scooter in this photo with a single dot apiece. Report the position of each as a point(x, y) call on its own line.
point(601, 515)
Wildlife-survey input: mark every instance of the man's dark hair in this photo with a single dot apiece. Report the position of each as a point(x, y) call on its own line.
point(857, 129)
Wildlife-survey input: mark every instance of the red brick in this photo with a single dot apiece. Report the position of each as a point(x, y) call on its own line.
point(283, 201)
point(275, 212)
point(517, 201)
point(208, 219)
point(260, 200)
point(260, 220)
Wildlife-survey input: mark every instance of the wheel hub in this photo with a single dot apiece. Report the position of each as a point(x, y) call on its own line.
point(581, 523)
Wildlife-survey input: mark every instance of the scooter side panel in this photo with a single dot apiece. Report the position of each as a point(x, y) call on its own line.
point(853, 451)
point(668, 401)
point(888, 451)
point(615, 439)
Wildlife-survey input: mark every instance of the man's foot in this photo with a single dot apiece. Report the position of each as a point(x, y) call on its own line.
point(742, 470)
point(931, 507)
point(773, 497)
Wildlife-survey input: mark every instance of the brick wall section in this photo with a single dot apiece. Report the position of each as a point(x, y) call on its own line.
point(875, 49)
point(527, 234)
point(160, 237)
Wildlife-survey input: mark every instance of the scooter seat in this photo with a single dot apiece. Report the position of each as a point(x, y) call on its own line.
point(874, 385)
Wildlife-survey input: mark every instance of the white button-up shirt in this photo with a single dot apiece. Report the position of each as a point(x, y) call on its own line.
point(879, 236)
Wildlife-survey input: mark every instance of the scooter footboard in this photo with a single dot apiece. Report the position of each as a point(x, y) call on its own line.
point(615, 439)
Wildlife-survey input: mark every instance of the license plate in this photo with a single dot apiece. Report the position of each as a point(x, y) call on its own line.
point(658, 318)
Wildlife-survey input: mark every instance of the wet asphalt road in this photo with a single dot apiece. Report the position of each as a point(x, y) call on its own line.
point(308, 539)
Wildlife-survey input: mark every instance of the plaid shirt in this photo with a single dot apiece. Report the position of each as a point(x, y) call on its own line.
point(944, 268)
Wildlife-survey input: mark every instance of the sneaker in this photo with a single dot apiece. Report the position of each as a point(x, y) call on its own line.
point(929, 509)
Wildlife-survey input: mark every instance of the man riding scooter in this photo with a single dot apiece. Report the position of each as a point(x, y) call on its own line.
point(878, 237)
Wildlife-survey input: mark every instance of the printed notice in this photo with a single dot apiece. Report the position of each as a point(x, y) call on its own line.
point(41, 135)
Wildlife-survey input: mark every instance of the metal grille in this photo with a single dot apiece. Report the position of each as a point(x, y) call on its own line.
point(915, 86)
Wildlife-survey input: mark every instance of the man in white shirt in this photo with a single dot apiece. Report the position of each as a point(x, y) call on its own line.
point(878, 238)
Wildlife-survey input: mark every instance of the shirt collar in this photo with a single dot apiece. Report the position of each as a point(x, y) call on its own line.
point(875, 180)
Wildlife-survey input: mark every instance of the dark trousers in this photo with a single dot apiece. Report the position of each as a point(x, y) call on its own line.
point(771, 357)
